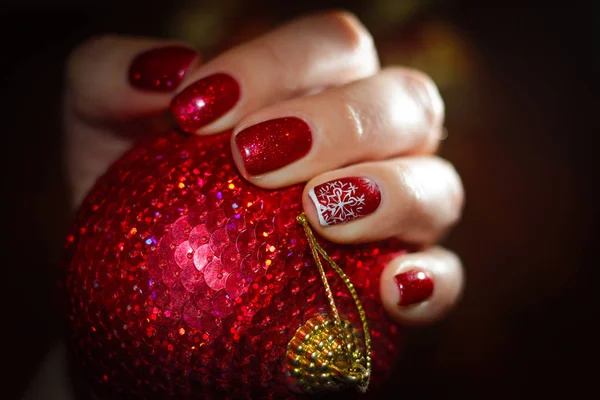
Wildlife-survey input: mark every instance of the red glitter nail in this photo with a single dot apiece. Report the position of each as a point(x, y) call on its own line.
point(415, 286)
point(346, 199)
point(273, 144)
point(161, 70)
point(204, 101)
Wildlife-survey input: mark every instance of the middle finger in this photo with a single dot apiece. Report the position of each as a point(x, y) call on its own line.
point(395, 112)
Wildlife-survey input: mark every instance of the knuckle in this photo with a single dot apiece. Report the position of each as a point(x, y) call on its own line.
point(420, 76)
point(352, 31)
point(85, 54)
point(412, 192)
point(278, 56)
point(456, 193)
point(452, 216)
point(403, 73)
point(422, 86)
point(448, 196)
point(89, 48)
point(433, 199)
point(430, 93)
point(85, 95)
point(282, 68)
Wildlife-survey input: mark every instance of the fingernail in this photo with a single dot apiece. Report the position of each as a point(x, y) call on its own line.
point(346, 199)
point(204, 101)
point(273, 144)
point(161, 70)
point(414, 286)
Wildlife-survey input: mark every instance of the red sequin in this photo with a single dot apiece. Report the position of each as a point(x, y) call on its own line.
point(185, 280)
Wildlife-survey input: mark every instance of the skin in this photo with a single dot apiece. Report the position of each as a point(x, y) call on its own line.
point(366, 121)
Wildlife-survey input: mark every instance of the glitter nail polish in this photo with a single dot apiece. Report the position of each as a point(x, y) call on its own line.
point(273, 144)
point(414, 286)
point(162, 69)
point(205, 101)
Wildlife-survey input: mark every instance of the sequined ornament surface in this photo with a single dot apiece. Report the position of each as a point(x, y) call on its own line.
point(186, 281)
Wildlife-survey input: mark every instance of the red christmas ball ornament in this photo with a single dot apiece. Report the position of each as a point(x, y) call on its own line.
point(186, 281)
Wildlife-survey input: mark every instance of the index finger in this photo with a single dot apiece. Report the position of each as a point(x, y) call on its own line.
point(114, 78)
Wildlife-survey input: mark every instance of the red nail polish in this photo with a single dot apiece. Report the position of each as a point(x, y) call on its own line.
point(346, 199)
point(204, 101)
point(161, 70)
point(273, 144)
point(415, 286)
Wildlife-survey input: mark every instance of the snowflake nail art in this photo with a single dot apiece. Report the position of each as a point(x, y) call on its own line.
point(345, 199)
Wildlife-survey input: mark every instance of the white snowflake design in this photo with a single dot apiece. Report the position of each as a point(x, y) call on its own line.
point(338, 202)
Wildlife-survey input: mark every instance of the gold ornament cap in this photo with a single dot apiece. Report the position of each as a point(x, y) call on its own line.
point(327, 353)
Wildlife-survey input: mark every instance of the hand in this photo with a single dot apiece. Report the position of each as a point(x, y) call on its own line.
point(307, 102)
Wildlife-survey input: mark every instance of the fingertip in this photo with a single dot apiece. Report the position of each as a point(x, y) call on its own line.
point(421, 288)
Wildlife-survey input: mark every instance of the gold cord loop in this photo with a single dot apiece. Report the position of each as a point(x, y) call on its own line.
point(326, 355)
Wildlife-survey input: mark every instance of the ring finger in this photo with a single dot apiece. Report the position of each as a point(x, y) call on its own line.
point(415, 198)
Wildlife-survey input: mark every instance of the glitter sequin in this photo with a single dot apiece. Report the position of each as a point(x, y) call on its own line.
point(208, 306)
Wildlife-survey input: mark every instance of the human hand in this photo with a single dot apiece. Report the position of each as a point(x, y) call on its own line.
point(306, 102)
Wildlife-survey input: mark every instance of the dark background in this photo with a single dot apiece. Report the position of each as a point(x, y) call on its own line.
point(519, 84)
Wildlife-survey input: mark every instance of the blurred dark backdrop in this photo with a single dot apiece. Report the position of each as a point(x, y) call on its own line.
point(519, 84)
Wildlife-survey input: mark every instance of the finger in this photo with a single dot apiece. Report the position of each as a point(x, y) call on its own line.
point(114, 85)
point(115, 78)
point(397, 111)
point(307, 54)
point(414, 198)
point(420, 288)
